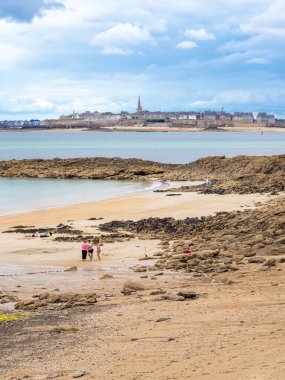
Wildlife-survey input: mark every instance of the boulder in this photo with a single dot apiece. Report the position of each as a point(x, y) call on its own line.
point(256, 260)
point(71, 269)
point(132, 287)
point(187, 294)
point(270, 263)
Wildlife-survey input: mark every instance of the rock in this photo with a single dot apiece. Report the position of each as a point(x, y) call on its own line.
point(263, 269)
point(157, 292)
point(132, 287)
point(256, 260)
point(259, 238)
point(57, 300)
point(163, 319)
point(281, 260)
point(281, 240)
point(106, 277)
point(5, 298)
point(188, 295)
point(171, 297)
point(249, 254)
point(270, 263)
point(71, 269)
point(140, 269)
point(78, 374)
point(258, 246)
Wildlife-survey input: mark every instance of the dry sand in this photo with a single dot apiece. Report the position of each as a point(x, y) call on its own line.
point(230, 332)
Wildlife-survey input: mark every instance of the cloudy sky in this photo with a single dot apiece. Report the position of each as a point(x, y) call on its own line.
point(60, 55)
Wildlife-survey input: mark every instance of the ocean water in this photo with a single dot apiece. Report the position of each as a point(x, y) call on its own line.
point(20, 195)
point(174, 147)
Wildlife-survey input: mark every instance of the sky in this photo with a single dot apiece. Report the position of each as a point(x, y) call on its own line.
point(57, 56)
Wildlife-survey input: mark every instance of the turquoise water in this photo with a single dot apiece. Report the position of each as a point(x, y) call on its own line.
point(175, 147)
point(20, 195)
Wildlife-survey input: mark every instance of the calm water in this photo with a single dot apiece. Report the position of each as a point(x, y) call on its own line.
point(19, 195)
point(175, 147)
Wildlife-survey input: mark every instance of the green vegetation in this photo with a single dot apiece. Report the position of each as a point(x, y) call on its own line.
point(6, 317)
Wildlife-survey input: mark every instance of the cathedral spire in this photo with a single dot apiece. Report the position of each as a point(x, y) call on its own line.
point(139, 108)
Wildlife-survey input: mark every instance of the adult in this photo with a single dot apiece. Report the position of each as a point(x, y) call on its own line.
point(90, 249)
point(84, 248)
point(98, 249)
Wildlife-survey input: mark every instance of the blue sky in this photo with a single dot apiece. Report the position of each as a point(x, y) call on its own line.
point(60, 55)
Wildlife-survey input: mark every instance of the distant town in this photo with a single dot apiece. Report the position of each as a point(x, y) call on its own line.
point(144, 118)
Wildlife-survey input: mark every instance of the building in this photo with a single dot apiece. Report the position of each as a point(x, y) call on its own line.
point(210, 115)
point(263, 117)
point(139, 107)
point(243, 117)
point(225, 116)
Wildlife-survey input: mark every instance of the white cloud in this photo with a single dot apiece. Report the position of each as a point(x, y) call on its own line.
point(56, 45)
point(199, 34)
point(117, 39)
point(186, 45)
point(243, 97)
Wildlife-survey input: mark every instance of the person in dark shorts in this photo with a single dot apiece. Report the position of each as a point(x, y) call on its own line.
point(90, 249)
point(84, 248)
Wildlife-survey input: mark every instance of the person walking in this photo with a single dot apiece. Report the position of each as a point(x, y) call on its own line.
point(84, 248)
point(98, 249)
point(90, 249)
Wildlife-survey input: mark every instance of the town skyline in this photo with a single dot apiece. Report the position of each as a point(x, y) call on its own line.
point(142, 114)
point(60, 55)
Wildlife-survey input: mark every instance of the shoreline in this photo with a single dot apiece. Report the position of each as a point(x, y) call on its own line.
point(150, 129)
point(141, 205)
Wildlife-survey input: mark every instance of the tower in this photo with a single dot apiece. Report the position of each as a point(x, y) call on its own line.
point(139, 108)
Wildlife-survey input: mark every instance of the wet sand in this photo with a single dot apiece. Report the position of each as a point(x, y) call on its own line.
point(35, 264)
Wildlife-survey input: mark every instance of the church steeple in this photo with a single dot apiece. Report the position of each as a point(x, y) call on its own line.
point(139, 108)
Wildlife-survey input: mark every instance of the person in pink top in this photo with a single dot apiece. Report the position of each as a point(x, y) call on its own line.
point(84, 248)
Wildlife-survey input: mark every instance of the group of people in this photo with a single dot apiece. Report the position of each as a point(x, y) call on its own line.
point(88, 249)
point(40, 234)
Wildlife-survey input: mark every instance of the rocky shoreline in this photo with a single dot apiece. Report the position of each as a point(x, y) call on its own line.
point(241, 174)
point(207, 283)
point(221, 243)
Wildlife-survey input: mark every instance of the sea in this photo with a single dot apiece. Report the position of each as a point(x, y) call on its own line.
point(19, 195)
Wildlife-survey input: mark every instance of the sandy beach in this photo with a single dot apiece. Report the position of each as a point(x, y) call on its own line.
point(229, 332)
point(135, 207)
point(155, 128)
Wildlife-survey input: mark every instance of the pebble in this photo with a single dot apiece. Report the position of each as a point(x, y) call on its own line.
point(78, 374)
point(163, 319)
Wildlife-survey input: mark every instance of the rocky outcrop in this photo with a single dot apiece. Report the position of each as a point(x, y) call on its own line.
point(215, 244)
point(87, 168)
point(242, 174)
point(57, 300)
